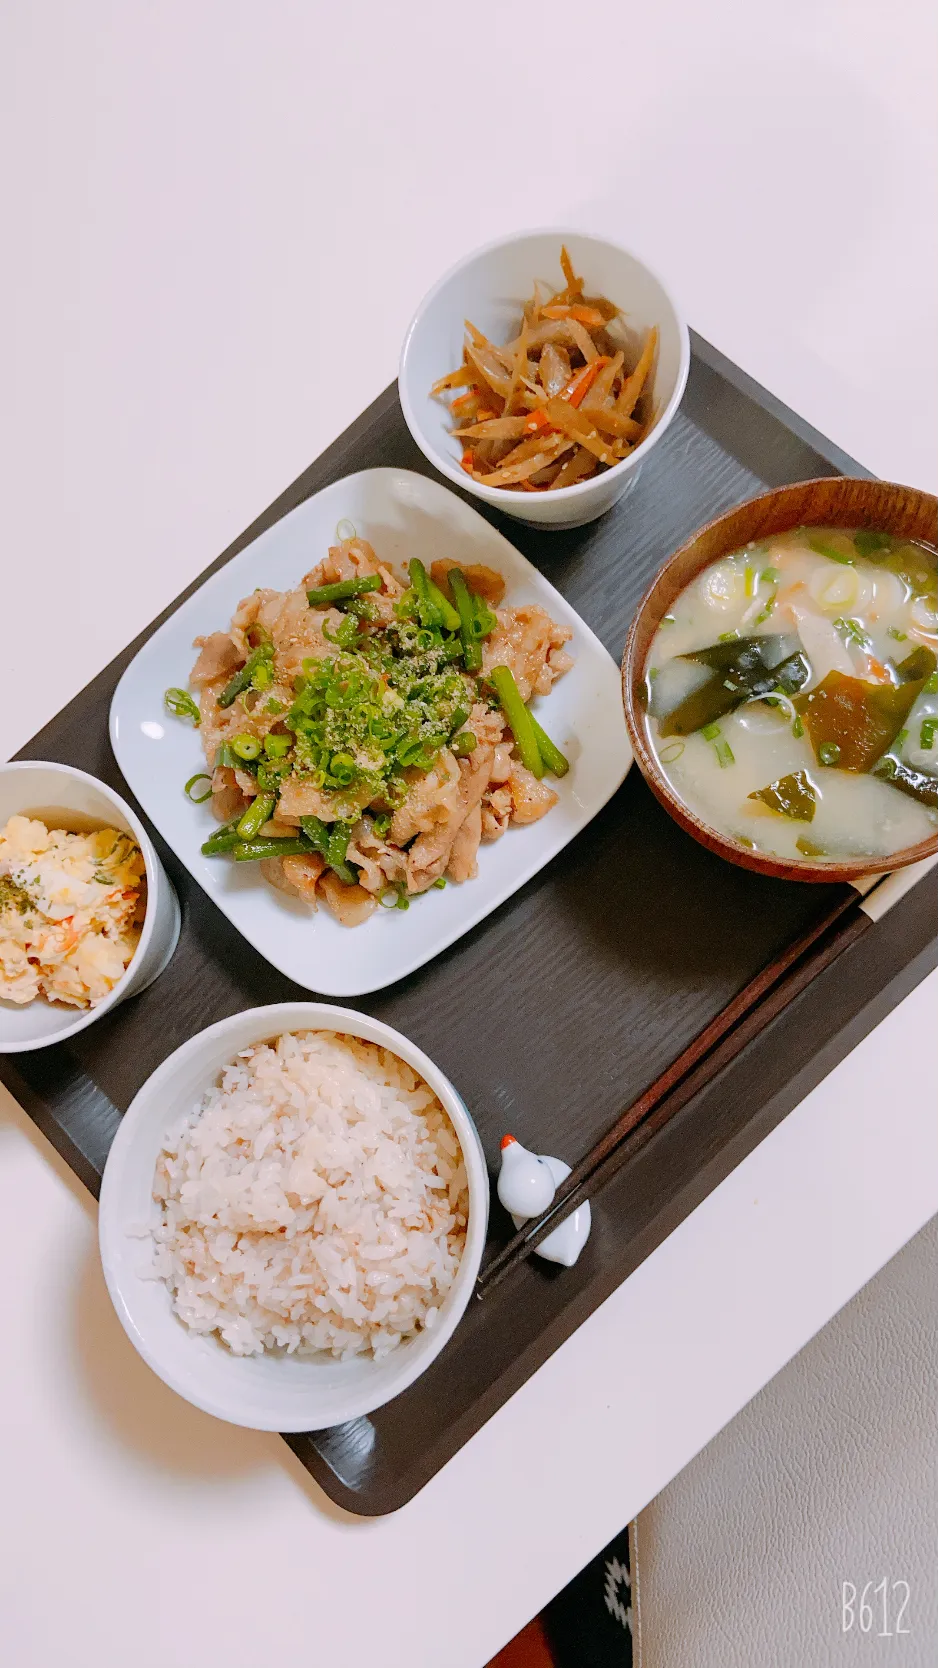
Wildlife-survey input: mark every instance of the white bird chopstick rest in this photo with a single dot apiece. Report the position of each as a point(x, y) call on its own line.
point(527, 1184)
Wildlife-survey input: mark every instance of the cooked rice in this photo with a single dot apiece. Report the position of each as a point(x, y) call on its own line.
point(316, 1200)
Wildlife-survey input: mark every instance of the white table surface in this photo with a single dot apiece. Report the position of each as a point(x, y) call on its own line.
point(217, 221)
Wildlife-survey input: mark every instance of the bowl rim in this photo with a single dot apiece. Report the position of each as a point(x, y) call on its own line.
point(87, 1016)
point(631, 678)
point(580, 489)
point(280, 1017)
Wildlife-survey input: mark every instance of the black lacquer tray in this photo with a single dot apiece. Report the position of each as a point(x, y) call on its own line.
point(560, 1008)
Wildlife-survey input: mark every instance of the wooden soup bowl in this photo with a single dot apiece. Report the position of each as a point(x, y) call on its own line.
point(832, 502)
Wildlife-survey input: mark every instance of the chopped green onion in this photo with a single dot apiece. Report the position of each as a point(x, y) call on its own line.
point(322, 595)
point(750, 582)
point(257, 814)
point(931, 686)
point(519, 719)
point(829, 753)
point(269, 773)
point(770, 575)
point(853, 632)
point(225, 758)
point(668, 619)
point(552, 757)
point(462, 745)
point(181, 703)
point(440, 882)
point(345, 531)
point(342, 769)
point(346, 632)
point(361, 609)
point(821, 546)
point(246, 747)
point(274, 706)
point(725, 757)
point(398, 896)
point(767, 608)
point(927, 733)
point(277, 747)
point(672, 752)
point(198, 798)
point(798, 728)
point(898, 636)
point(728, 637)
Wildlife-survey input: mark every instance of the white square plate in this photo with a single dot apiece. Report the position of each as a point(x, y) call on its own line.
point(403, 515)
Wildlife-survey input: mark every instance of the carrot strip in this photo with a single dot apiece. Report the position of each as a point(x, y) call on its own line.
point(465, 399)
point(588, 316)
point(581, 381)
point(634, 384)
point(567, 267)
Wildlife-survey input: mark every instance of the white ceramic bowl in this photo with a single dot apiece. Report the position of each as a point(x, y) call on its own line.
point(489, 288)
point(66, 798)
point(267, 1392)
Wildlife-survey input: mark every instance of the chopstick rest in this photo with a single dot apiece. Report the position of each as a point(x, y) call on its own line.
point(527, 1184)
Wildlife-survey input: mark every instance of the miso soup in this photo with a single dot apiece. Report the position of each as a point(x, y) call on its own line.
point(791, 695)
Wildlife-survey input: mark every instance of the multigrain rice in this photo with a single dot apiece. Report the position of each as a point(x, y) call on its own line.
point(316, 1199)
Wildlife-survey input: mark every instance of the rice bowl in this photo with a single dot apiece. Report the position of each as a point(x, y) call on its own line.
point(316, 1200)
point(345, 1363)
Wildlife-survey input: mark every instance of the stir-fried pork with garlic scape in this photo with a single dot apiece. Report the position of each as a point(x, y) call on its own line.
point(365, 732)
point(557, 403)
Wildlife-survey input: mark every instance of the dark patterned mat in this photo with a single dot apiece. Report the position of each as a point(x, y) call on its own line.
point(588, 1625)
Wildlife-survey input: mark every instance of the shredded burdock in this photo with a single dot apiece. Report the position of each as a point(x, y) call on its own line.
point(558, 402)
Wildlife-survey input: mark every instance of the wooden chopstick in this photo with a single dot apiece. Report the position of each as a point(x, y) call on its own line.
point(705, 1055)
